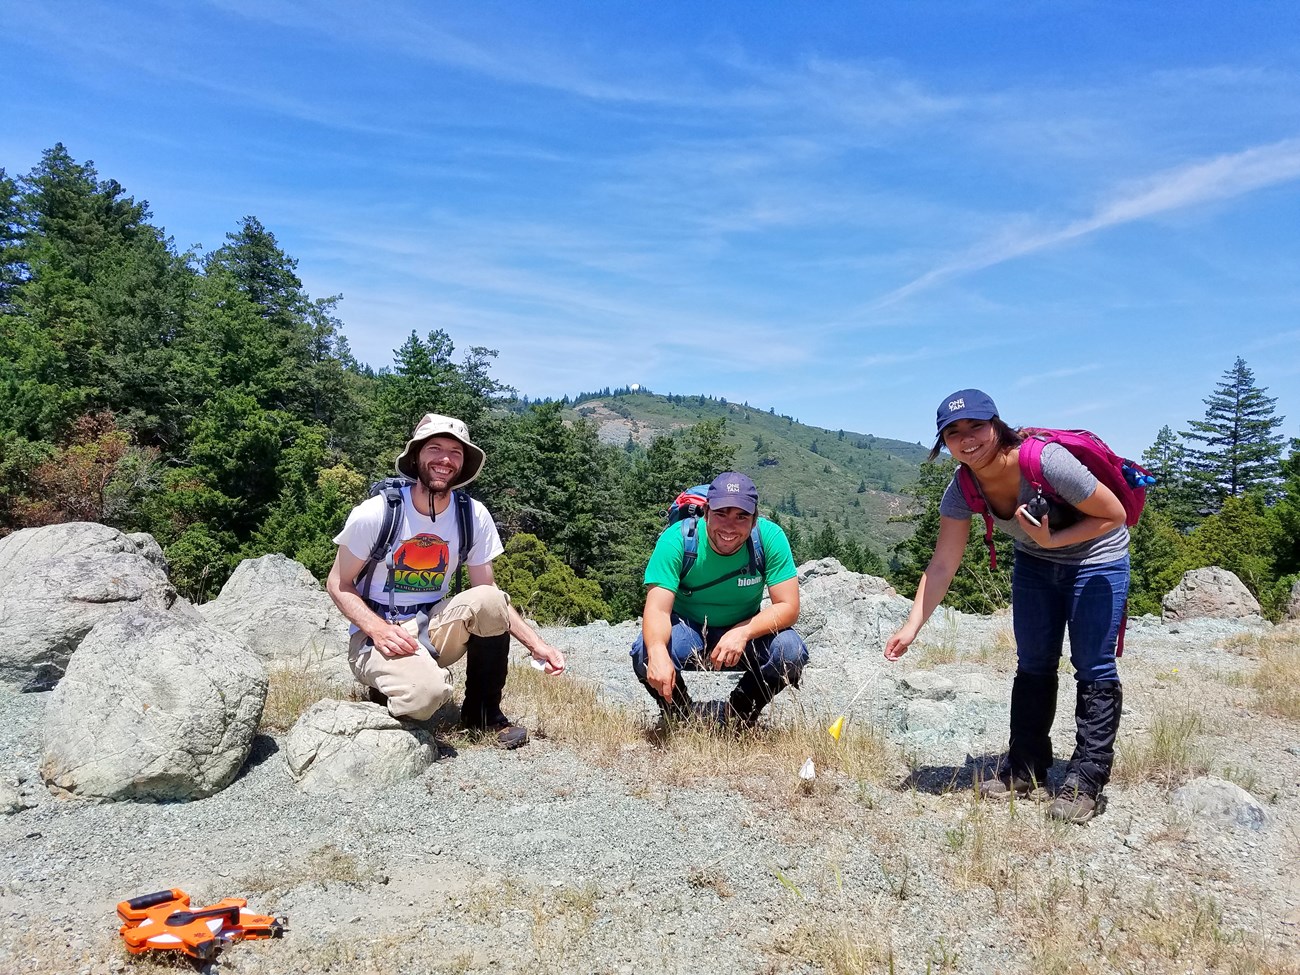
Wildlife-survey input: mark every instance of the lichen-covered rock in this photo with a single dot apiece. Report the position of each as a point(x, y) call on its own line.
point(1209, 593)
point(1221, 802)
point(56, 584)
point(153, 707)
point(346, 746)
point(837, 606)
point(276, 607)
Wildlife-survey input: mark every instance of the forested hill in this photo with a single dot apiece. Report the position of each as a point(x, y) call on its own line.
point(806, 475)
point(207, 399)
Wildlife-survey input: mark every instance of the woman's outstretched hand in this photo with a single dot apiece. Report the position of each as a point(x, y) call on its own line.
point(897, 644)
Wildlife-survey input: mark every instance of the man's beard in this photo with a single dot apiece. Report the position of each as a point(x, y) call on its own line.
point(426, 477)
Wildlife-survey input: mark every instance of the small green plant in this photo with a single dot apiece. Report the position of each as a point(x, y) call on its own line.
point(1167, 753)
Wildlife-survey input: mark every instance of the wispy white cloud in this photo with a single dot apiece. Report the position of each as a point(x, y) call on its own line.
point(1217, 179)
point(1053, 375)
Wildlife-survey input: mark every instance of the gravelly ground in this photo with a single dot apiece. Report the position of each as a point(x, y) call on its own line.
point(540, 860)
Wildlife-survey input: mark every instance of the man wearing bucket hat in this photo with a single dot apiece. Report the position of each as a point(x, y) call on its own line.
point(711, 616)
point(407, 629)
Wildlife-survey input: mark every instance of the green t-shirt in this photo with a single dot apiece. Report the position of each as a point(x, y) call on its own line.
point(729, 602)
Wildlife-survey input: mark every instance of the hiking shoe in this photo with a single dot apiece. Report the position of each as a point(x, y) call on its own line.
point(508, 735)
point(1004, 786)
point(720, 714)
point(1072, 804)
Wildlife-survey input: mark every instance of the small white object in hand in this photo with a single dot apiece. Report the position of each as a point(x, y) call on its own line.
point(808, 771)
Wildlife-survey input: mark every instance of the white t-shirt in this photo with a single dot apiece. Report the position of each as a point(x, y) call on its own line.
point(427, 550)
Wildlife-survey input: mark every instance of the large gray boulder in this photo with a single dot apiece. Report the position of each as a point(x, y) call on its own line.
point(1209, 593)
point(153, 707)
point(1293, 604)
point(58, 582)
point(350, 746)
point(842, 608)
point(276, 607)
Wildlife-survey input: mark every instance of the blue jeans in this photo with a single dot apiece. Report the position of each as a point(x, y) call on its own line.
point(775, 660)
point(1048, 598)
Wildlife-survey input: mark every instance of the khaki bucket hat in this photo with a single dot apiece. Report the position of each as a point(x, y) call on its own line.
point(434, 425)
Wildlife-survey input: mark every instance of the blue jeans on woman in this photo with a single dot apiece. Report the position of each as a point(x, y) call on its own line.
point(1048, 600)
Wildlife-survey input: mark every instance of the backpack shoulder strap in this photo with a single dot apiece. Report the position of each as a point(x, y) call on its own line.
point(1031, 459)
point(391, 492)
point(970, 493)
point(690, 547)
point(464, 524)
point(757, 557)
point(464, 529)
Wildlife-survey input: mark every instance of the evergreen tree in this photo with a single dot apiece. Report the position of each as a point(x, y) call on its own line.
point(1175, 493)
point(1241, 450)
point(1158, 559)
point(976, 588)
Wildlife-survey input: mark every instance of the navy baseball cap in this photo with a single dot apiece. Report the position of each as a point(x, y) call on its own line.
point(733, 490)
point(965, 404)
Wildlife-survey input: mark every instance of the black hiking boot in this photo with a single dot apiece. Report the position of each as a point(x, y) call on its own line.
point(1097, 710)
point(486, 665)
point(680, 708)
point(1023, 772)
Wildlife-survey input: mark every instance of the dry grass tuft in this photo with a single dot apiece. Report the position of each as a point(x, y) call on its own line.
point(291, 691)
point(1277, 681)
point(839, 948)
point(995, 845)
point(763, 762)
point(328, 864)
point(1169, 751)
point(1159, 932)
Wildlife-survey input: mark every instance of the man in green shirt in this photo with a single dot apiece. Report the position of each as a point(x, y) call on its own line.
point(712, 617)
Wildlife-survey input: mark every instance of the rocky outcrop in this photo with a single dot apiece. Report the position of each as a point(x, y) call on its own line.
point(58, 582)
point(837, 606)
point(346, 746)
point(1209, 593)
point(1221, 802)
point(276, 607)
point(1293, 604)
point(153, 707)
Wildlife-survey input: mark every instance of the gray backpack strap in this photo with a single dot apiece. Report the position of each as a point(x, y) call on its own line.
point(391, 490)
point(690, 547)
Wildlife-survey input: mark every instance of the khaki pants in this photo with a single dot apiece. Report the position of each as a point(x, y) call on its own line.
point(416, 686)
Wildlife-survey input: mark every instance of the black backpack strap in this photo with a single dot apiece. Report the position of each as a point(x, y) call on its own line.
point(464, 529)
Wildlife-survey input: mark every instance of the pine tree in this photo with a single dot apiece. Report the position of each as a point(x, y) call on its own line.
point(1241, 452)
point(1175, 494)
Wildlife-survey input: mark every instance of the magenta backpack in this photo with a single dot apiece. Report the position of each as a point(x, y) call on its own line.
point(1127, 480)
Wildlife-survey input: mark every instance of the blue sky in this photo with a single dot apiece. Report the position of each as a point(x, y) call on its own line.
point(840, 210)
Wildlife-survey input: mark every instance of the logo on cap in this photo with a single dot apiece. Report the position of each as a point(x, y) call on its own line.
point(956, 404)
point(733, 487)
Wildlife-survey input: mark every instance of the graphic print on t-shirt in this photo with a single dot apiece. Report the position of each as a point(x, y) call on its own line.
point(420, 564)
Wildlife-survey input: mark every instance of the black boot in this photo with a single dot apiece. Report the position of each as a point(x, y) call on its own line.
point(679, 708)
point(1029, 753)
point(1098, 707)
point(752, 693)
point(486, 664)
